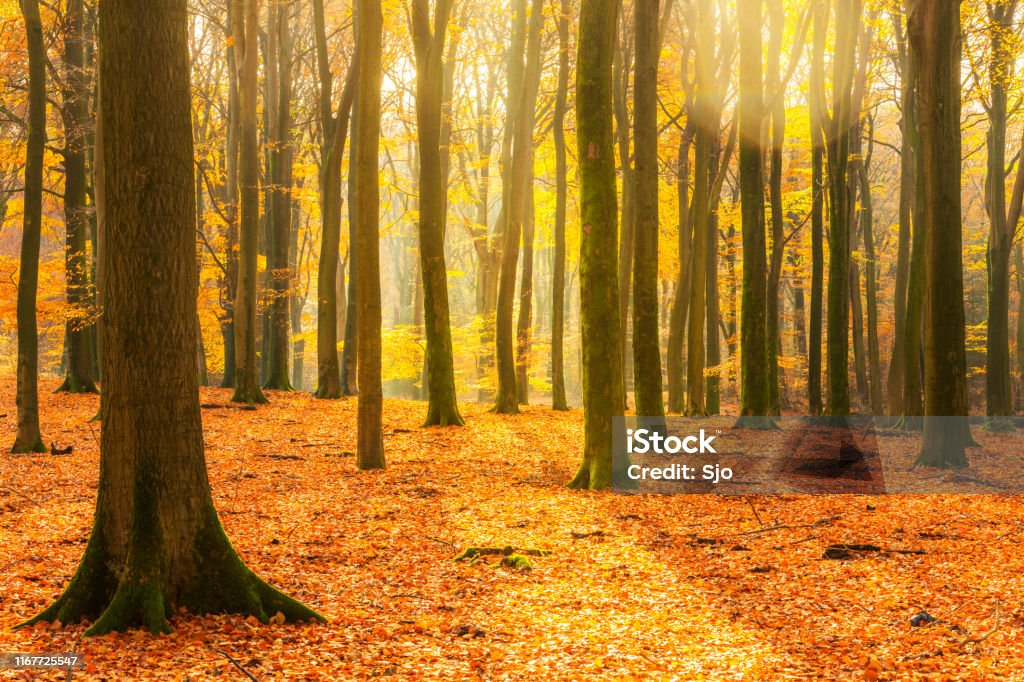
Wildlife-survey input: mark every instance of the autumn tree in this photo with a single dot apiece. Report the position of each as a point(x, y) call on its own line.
point(817, 113)
point(603, 392)
point(247, 371)
point(646, 351)
point(369, 28)
point(74, 114)
point(558, 399)
point(279, 209)
point(28, 438)
point(156, 544)
point(429, 34)
point(333, 125)
point(1003, 217)
point(934, 31)
point(838, 146)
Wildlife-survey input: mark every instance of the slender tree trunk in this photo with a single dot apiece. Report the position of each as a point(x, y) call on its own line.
point(558, 399)
point(627, 224)
point(231, 200)
point(350, 348)
point(646, 332)
point(894, 384)
point(156, 545)
point(867, 217)
point(247, 371)
point(370, 440)
point(279, 215)
point(74, 112)
point(838, 146)
point(28, 438)
point(998, 384)
point(603, 393)
point(524, 323)
point(816, 107)
point(429, 41)
point(675, 359)
point(776, 22)
point(934, 30)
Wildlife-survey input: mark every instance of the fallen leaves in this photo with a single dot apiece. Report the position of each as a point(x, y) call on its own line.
point(628, 590)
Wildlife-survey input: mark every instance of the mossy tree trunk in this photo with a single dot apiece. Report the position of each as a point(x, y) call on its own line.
point(335, 131)
point(247, 370)
point(156, 543)
point(28, 438)
point(934, 30)
point(429, 42)
point(603, 393)
point(365, 148)
point(74, 114)
point(558, 399)
point(646, 332)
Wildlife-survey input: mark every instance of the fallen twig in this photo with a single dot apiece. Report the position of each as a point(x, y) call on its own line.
point(21, 494)
point(236, 664)
point(784, 526)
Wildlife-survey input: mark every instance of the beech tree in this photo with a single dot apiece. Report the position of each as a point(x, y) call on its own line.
point(603, 392)
point(934, 31)
point(28, 438)
point(369, 37)
point(156, 543)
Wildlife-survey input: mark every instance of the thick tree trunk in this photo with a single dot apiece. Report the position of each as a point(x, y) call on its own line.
point(156, 544)
point(934, 30)
point(603, 393)
point(370, 439)
point(28, 438)
point(755, 393)
point(558, 399)
point(429, 41)
point(646, 332)
point(74, 112)
point(247, 370)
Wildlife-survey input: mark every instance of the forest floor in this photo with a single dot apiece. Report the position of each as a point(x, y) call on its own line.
point(635, 587)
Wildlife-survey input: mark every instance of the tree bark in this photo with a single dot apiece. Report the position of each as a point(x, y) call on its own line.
point(646, 332)
point(934, 30)
point(755, 392)
point(429, 42)
point(558, 399)
point(74, 113)
point(247, 370)
point(156, 545)
point(603, 393)
point(817, 115)
point(28, 438)
point(370, 437)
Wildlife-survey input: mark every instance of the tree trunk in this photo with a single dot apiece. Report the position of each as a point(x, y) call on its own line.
point(370, 439)
point(279, 214)
point(350, 347)
point(524, 323)
point(934, 30)
point(156, 545)
point(603, 393)
point(28, 438)
point(776, 22)
point(838, 146)
point(74, 112)
point(755, 393)
point(247, 371)
point(680, 303)
point(894, 385)
point(867, 218)
point(646, 332)
point(621, 70)
point(558, 399)
point(816, 107)
point(429, 41)
point(231, 201)
point(998, 385)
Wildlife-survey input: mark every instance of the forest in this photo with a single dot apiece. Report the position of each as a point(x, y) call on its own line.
point(322, 323)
